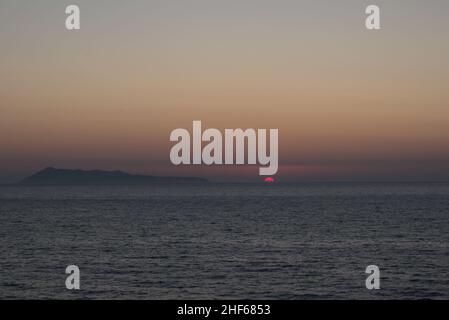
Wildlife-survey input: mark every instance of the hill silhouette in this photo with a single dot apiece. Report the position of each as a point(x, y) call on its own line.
point(53, 176)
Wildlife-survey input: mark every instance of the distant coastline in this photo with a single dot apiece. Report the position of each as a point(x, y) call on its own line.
point(54, 176)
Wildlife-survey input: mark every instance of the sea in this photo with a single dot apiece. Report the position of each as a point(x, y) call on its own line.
point(226, 241)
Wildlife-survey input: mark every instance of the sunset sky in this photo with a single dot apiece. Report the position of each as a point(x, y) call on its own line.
point(350, 104)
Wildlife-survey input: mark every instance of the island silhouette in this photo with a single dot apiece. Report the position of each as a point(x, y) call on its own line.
point(54, 176)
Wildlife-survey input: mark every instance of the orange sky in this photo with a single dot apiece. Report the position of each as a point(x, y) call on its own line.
point(348, 103)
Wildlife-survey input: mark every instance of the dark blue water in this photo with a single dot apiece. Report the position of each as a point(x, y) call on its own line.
point(309, 241)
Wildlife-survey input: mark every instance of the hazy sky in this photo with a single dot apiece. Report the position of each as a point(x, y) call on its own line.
point(349, 103)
